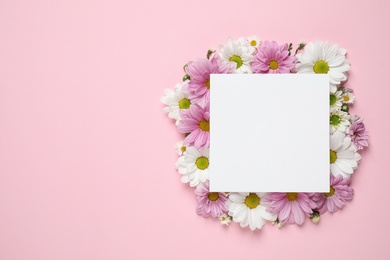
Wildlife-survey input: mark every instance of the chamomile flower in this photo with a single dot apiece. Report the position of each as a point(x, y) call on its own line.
point(335, 99)
point(176, 100)
point(339, 121)
point(348, 97)
point(194, 166)
point(358, 133)
point(339, 193)
point(196, 122)
point(273, 58)
point(210, 203)
point(291, 207)
point(324, 58)
point(180, 148)
point(253, 41)
point(199, 72)
point(240, 53)
point(225, 219)
point(249, 209)
point(343, 155)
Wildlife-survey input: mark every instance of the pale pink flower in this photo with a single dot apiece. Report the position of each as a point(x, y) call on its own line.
point(358, 133)
point(210, 203)
point(199, 72)
point(291, 207)
point(195, 122)
point(273, 58)
point(335, 199)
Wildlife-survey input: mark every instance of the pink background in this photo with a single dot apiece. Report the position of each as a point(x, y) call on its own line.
point(87, 155)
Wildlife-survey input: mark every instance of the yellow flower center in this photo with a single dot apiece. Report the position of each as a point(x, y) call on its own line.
point(346, 98)
point(202, 163)
point(333, 156)
point(213, 196)
point(237, 59)
point(207, 84)
point(253, 43)
point(330, 193)
point(292, 196)
point(321, 67)
point(184, 103)
point(252, 200)
point(183, 149)
point(273, 65)
point(204, 125)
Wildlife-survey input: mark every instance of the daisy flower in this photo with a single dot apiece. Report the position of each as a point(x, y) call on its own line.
point(321, 58)
point(273, 58)
point(225, 219)
point(338, 194)
point(210, 203)
point(253, 41)
point(194, 166)
point(291, 207)
point(335, 99)
point(249, 209)
point(343, 155)
point(358, 133)
point(196, 121)
point(339, 121)
point(199, 72)
point(348, 97)
point(239, 53)
point(176, 100)
point(180, 148)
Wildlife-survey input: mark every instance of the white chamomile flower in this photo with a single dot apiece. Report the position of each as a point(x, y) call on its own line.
point(176, 100)
point(254, 41)
point(321, 58)
point(343, 155)
point(225, 219)
point(348, 97)
point(240, 53)
point(248, 209)
point(339, 121)
point(194, 166)
point(180, 148)
point(335, 99)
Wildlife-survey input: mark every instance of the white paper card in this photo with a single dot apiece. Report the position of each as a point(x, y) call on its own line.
point(269, 133)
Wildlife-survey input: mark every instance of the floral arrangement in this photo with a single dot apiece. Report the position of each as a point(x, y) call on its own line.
point(188, 105)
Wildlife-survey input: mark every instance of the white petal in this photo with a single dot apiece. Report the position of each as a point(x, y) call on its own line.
point(336, 61)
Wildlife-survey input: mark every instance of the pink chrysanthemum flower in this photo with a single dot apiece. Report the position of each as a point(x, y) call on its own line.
point(291, 207)
point(273, 58)
point(335, 199)
point(199, 72)
point(358, 133)
point(196, 122)
point(210, 203)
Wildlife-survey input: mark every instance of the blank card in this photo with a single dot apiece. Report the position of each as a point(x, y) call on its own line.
point(269, 133)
